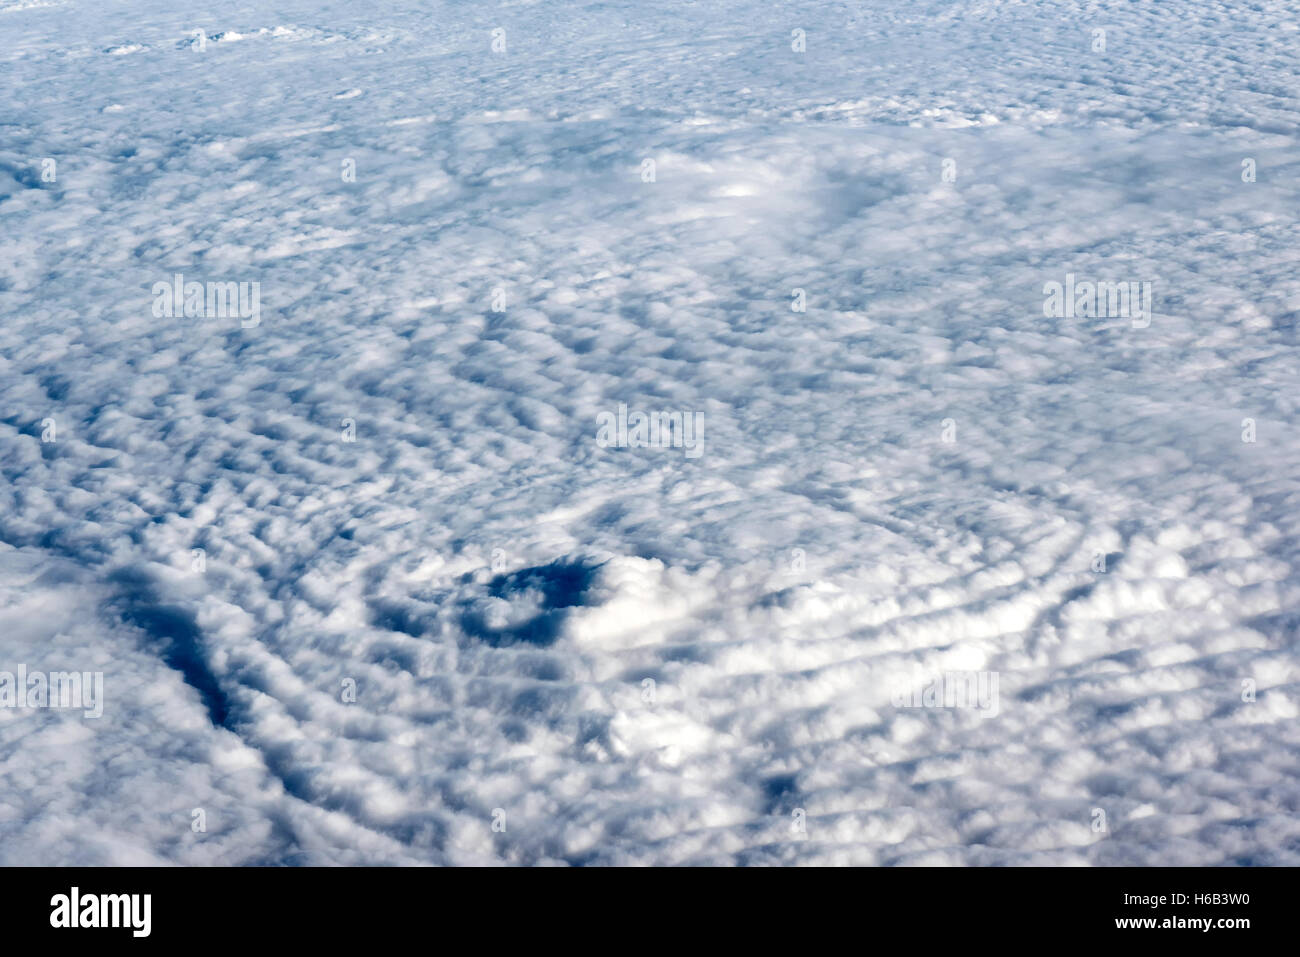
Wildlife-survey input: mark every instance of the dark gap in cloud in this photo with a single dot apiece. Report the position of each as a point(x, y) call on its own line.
point(178, 637)
point(549, 589)
point(563, 584)
point(392, 616)
point(780, 794)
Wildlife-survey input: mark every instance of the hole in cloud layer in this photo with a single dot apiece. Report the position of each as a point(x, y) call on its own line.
point(177, 635)
point(529, 606)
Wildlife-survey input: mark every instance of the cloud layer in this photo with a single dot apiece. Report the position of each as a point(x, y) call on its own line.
point(365, 587)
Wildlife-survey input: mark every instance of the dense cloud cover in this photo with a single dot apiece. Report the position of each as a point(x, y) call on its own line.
point(365, 580)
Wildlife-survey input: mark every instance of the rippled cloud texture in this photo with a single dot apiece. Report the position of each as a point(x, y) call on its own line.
point(651, 433)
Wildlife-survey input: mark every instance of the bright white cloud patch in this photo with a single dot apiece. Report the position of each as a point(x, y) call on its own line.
point(363, 584)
